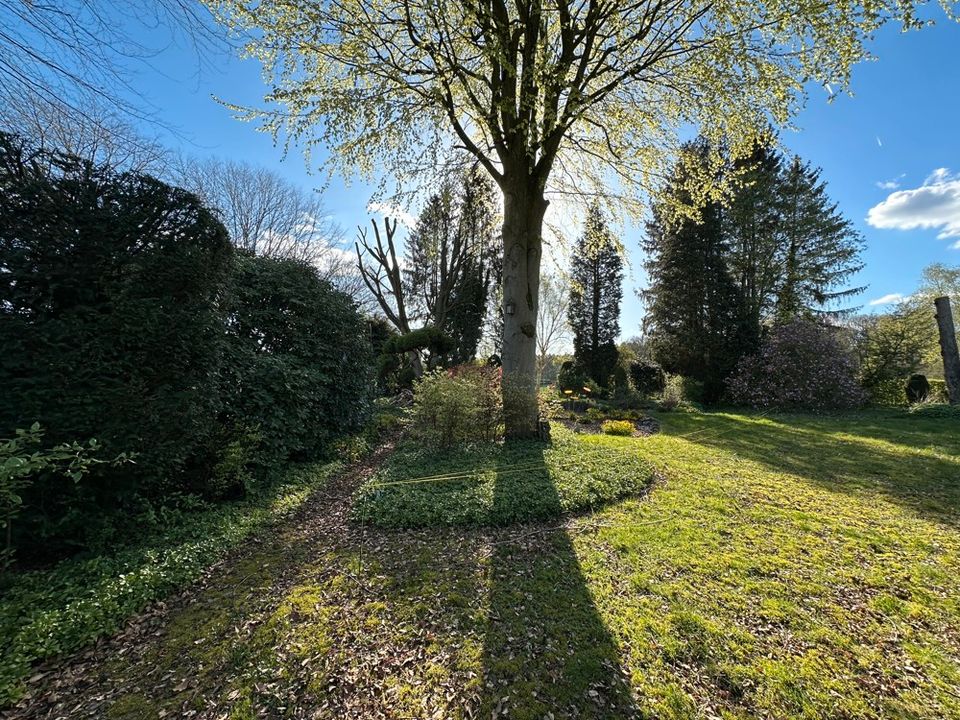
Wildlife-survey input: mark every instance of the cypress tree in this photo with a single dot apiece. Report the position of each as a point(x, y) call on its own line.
point(595, 295)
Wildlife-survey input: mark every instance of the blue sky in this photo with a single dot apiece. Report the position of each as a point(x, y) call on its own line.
point(887, 152)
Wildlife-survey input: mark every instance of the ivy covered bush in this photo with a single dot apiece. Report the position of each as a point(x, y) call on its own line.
point(800, 366)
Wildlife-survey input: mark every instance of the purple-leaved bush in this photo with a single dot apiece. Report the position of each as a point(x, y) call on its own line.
point(800, 366)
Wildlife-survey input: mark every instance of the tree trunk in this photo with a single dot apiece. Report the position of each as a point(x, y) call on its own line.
point(523, 210)
point(948, 349)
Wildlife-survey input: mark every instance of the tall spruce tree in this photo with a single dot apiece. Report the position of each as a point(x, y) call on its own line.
point(595, 295)
point(696, 317)
point(818, 249)
point(751, 225)
point(791, 250)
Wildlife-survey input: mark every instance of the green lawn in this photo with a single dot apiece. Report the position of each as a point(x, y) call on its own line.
point(783, 567)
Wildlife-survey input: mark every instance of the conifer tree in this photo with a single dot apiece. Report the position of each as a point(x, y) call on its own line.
point(595, 295)
point(448, 275)
point(696, 319)
point(818, 248)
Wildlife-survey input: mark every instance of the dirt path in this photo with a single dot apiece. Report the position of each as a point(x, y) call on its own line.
point(151, 669)
point(325, 618)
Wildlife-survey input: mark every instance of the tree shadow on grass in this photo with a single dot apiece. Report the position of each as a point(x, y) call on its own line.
point(547, 652)
point(846, 455)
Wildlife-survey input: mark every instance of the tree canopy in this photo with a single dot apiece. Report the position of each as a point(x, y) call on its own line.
point(546, 94)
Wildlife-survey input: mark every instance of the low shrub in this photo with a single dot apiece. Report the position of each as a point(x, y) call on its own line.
point(571, 379)
point(647, 377)
point(617, 427)
point(800, 366)
point(935, 410)
point(672, 396)
point(887, 393)
point(459, 406)
point(499, 484)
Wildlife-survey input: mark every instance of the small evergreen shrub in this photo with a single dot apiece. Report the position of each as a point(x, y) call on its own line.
point(617, 427)
point(571, 378)
point(917, 388)
point(672, 396)
point(647, 377)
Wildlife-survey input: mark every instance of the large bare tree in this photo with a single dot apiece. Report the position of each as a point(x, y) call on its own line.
point(83, 53)
point(269, 215)
point(550, 96)
point(101, 134)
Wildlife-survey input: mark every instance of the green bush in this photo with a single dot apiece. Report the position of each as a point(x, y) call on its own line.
point(938, 390)
point(887, 393)
point(648, 378)
point(499, 484)
point(297, 364)
point(110, 325)
point(617, 427)
point(571, 378)
point(672, 396)
point(458, 406)
point(935, 410)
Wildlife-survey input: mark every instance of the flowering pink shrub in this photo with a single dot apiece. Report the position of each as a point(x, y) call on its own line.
point(800, 366)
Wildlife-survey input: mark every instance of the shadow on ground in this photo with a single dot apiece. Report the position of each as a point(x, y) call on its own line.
point(830, 453)
point(546, 652)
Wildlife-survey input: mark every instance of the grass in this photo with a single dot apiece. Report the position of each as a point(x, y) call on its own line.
point(53, 611)
point(501, 484)
point(788, 567)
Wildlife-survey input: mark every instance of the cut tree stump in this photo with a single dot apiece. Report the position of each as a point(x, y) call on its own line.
point(948, 349)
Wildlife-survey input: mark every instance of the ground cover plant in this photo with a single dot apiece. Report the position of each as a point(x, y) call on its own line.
point(58, 609)
point(498, 484)
point(786, 566)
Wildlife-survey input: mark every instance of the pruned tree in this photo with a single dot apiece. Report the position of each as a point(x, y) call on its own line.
point(379, 266)
point(548, 95)
point(449, 260)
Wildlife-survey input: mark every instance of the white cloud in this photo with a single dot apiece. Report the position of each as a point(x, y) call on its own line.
point(892, 184)
point(933, 205)
point(393, 211)
point(888, 299)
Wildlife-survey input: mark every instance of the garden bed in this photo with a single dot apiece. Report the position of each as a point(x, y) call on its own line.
point(500, 483)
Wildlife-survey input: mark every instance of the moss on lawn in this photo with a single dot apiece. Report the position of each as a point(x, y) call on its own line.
point(789, 567)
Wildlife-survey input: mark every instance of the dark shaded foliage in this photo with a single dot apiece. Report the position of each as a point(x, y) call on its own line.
point(110, 326)
point(917, 388)
point(800, 366)
point(595, 295)
point(297, 368)
point(647, 377)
